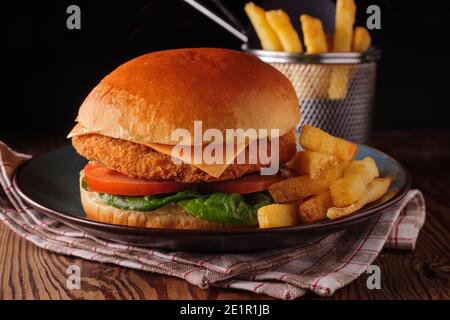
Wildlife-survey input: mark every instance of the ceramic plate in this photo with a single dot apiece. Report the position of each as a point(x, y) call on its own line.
point(49, 183)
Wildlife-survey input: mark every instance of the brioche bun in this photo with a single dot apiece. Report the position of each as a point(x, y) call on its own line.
point(147, 98)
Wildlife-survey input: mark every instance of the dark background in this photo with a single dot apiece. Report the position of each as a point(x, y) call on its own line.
point(48, 70)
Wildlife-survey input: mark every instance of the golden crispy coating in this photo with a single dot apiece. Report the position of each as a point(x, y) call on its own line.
point(138, 160)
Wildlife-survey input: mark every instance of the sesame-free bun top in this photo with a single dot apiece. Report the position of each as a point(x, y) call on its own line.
point(145, 99)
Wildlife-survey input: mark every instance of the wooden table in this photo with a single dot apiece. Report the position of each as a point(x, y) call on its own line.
point(28, 272)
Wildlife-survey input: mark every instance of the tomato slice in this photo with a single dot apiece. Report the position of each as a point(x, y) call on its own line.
point(104, 180)
point(247, 184)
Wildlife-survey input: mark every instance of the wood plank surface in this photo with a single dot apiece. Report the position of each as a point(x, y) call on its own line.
point(28, 272)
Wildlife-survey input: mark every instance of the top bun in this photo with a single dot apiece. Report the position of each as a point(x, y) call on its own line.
point(147, 98)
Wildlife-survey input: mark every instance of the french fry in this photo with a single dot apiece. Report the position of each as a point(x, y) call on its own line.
point(366, 168)
point(280, 22)
point(343, 36)
point(313, 35)
point(361, 40)
point(278, 215)
point(375, 190)
point(310, 87)
point(298, 188)
point(315, 208)
point(267, 36)
point(347, 190)
point(352, 186)
point(339, 79)
point(314, 139)
point(343, 26)
point(315, 164)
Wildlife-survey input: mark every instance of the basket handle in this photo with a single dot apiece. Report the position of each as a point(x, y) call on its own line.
point(221, 22)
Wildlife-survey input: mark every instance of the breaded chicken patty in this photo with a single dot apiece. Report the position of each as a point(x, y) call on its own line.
point(141, 161)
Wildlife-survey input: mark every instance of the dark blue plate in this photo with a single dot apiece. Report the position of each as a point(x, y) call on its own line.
point(49, 183)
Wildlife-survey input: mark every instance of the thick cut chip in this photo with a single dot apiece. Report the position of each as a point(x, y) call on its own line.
point(298, 188)
point(278, 215)
point(267, 36)
point(361, 40)
point(281, 24)
point(315, 208)
point(375, 190)
point(314, 139)
point(313, 35)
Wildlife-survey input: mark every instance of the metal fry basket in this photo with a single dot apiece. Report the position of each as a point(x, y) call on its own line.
point(335, 90)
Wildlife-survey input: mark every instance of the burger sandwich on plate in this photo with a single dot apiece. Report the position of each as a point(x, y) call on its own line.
point(127, 124)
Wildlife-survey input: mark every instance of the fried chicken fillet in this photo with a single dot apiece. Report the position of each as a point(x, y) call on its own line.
point(138, 160)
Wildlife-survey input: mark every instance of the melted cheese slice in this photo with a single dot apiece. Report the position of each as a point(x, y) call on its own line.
point(213, 169)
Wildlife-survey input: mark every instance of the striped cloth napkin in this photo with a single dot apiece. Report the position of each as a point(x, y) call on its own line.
point(322, 266)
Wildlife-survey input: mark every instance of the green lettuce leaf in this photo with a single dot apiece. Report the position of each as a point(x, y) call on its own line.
point(227, 207)
point(146, 203)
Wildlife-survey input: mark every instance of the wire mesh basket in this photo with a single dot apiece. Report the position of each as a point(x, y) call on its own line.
point(335, 90)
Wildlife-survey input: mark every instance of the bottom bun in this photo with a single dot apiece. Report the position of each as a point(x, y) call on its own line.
point(170, 216)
